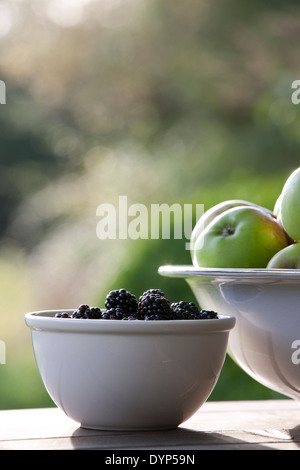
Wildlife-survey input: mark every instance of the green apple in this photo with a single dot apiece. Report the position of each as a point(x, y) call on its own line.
point(277, 214)
point(290, 205)
point(276, 210)
point(287, 258)
point(213, 212)
point(241, 237)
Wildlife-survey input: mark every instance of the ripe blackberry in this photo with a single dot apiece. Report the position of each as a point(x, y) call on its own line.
point(185, 310)
point(122, 299)
point(208, 314)
point(154, 306)
point(189, 311)
point(152, 291)
point(84, 311)
point(119, 314)
point(93, 313)
point(113, 313)
point(62, 315)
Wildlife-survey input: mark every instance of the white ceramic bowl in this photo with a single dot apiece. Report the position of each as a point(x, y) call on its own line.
point(266, 304)
point(128, 375)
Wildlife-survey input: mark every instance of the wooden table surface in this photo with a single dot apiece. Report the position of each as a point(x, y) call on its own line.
point(239, 425)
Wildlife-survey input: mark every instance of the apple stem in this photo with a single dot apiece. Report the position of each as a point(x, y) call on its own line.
point(228, 230)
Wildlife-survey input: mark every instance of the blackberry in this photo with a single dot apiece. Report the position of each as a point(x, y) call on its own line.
point(119, 314)
point(80, 312)
point(62, 315)
point(93, 313)
point(189, 311)
point(113, 313)
point(152, 291)
point(83, 307)
point(122, 299)
point(154, 306)
point(208, 314)
point(185, 310)
point(84, 311)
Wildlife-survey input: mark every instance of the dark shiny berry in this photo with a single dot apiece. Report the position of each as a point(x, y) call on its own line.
point(122, 299)
point(113, 314)
point(84, 311)
point(83, 307)
point(62, 315)
point(93, 313)
point(154, 306)
point(189, 311)
point(152, 291)
point(208, 314)
point(185, 310)
point(78, 314)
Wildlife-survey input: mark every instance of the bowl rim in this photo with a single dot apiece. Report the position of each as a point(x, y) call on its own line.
point(44, 320)
point(186, 271)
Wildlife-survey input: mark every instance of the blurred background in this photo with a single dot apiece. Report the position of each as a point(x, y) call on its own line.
point(161, 101)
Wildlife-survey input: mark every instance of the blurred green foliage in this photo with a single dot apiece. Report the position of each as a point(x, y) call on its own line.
point(159, 101)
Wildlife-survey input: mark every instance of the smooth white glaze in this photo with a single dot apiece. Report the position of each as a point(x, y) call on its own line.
point(128, 375)
point(266, 305)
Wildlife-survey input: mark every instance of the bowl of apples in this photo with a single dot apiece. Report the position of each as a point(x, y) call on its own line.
point(246, 262)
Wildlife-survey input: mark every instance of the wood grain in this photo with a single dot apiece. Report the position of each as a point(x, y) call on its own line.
point(239, 425)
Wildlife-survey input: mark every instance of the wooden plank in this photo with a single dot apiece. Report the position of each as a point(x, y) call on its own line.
point(241, 415)
point(264, 425)
point(203, 442)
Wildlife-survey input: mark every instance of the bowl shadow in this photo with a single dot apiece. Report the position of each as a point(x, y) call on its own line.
point(172, 440)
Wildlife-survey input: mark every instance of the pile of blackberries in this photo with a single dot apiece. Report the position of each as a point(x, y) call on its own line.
point(152, 305)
